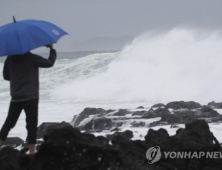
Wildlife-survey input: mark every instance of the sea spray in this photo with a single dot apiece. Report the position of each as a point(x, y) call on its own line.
point(177, 65)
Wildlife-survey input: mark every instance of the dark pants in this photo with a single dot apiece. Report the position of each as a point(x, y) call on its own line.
point(31, 110)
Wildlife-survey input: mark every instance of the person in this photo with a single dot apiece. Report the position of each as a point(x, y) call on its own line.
point(23, 73)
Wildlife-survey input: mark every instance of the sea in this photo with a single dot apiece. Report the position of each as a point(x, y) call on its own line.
point(154, 68)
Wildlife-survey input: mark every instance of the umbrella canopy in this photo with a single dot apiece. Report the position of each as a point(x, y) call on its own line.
point(20, 37)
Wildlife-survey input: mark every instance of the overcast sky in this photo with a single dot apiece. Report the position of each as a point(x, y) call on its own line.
point(85, 19)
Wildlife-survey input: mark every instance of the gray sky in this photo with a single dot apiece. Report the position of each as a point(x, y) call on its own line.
point(85, 19)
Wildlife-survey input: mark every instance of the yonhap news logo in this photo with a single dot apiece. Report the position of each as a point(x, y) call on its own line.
point(153, 154)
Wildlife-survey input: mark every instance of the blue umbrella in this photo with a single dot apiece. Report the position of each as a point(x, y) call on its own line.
point(20, 37)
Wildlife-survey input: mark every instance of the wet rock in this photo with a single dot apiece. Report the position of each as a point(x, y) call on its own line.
point(86, 113)
point(156, 113)
point(183, 105)
point(174, 126)
point(140, 107)
point(98, 124)
point(139, 113)
point(170, 118)
point(67, 148)
point(155, 137)
point(138, 124)
point(122, 112)
point(44, 127)
point(13, 142)
point(215, 105)
point(159, 105)
point(9, 158)
point(195, 137)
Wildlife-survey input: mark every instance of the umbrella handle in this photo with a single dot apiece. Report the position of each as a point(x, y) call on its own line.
point(14, 19)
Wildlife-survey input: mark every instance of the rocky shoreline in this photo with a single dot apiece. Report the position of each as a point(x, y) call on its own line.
point(73, 146)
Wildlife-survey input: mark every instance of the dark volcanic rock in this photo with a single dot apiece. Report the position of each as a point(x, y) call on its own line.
point(139, 113)
point(154, 137)
point(159, 105)
point(44, 127)
point(156, 113)
point(9, 159)
point(183, 105)
point(205, 112)
point(86, 113)
point(140, 107)
point(138, 124)
point(68, 149)
point(13, 142)
point(214, 105)
point(98, 124)
point(171, 119)
point(195, 137)
point(122, 112)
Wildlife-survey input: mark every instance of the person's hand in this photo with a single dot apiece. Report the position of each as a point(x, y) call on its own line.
point(50, 46)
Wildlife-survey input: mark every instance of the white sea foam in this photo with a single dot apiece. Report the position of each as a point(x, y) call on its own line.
point(178, 65)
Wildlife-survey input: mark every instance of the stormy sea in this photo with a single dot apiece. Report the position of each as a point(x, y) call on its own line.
point(157, 81)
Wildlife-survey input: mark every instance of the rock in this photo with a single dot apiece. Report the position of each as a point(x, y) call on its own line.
point(13, 142)
point(126, 134)
point(140, 107)
point(195, 137)
point(214, 105)
point(86, 113)
point(206, 111)
point(116, 129)
point(174, 126)
point(67, 148)
point(44, 127)
point(9, 159)
point(138, 124)
point(139, 113)
point(159, 105)
point(98, 124)
point(183, 105)
point(155, 137)
point(170, 118)
point(156, 113)
point(122, 112)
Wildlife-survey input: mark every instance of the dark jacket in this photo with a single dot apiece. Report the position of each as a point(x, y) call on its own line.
point(23, 73)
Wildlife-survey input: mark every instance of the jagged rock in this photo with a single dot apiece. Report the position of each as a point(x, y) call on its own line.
point(138, 124)
point(194, 138)
point(98, 124)
point(156, 113)
point(139, 113)
point(214, 105)
point(44, 127)
point(116, 129)
point(86, 113)
point(170, 118)
point(155, 137)
point(122, 112)
point(174, 126)
point(208, 112)
point(126, 134)
point(13, 142)
point(67, 148)
point(9, 159)
point(159, 105)
point(140, 107)
point(183, 105)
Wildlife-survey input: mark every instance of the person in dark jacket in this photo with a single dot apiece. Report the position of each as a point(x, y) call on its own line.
point(23, 73)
